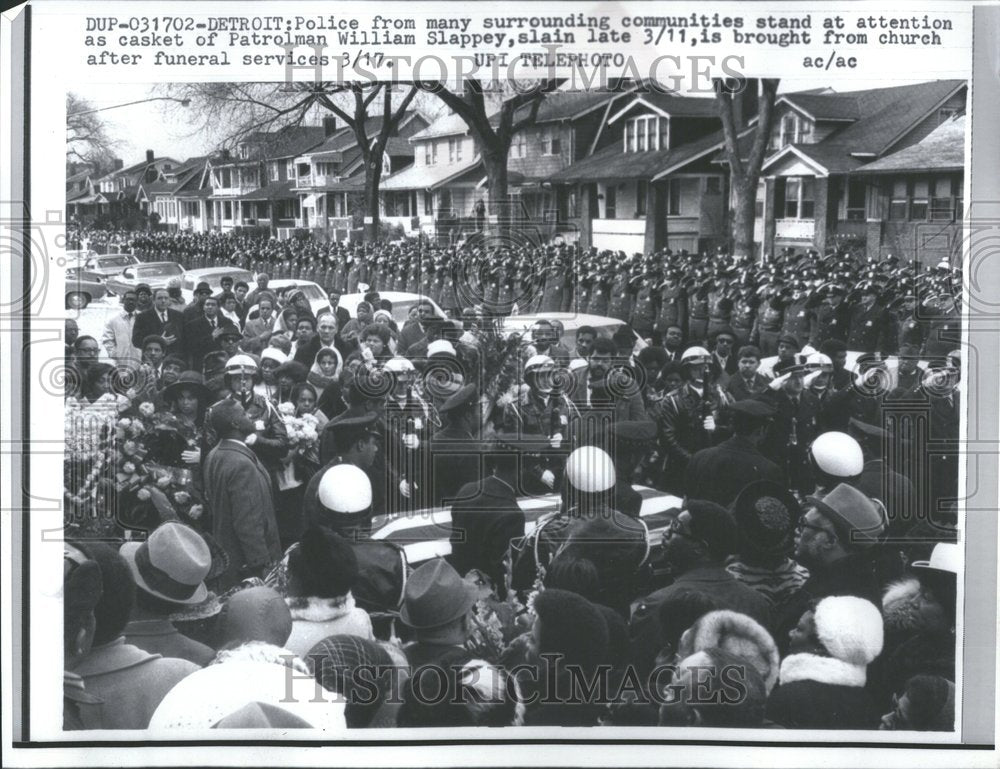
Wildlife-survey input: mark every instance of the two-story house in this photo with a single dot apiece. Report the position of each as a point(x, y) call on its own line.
point(81, 197)
point(814, 190)
point(647, 181)
point(442, 185)
point(330, 174)
point(161, 195)
point(119, 189)
point(255, 185)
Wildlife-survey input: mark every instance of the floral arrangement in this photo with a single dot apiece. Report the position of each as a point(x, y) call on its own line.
point(303, 431)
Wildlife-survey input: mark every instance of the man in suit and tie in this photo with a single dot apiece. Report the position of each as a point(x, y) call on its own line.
point(199, 333)
point(241, 497)
point(161, 320)
point(117, 338)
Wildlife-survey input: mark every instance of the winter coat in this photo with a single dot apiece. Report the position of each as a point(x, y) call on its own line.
point(314, 619)
point(129, 681)
point(159, 636)
point(817, 692)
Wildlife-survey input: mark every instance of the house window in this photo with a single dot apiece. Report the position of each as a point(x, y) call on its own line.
point(648, 132)
point(303, 169)
point(572, 208)
point(920, 200)
point(674, 197)
point(856, 193)
point(759, 203)
point(713, 185)
point(551, 142)
point(227, 209)
point(947, 113)
point(799, 197)
point(792, 129)
point(897, 201)
point(610, 202)
point(641, 188)
point(942, 202)
point(519, 146)
point(444, 201)
point(274, 172)
point(427, 155)
point(454, 150)
point(290, 169)
point(428, 204)
point(227, 178)
point(244, 151)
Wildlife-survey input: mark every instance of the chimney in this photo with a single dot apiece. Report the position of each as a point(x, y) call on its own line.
point(329, 126)
point(119, 164)
point(225, 154)
point(149, 156)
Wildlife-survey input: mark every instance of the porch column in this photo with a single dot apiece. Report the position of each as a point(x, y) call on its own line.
point(767, 247)
point(656, 217)
point(821, 213)
point(584, 199)
point(873, 239)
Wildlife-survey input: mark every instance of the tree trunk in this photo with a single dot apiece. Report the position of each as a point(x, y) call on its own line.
point(744, 205)
point(495, 163)
point(373, 179)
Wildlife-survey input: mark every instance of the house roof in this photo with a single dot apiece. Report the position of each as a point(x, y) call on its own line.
point(671, 105)
point(612, 163)
point(285, 142)
point(426, 177)
point(449, 124)
point(203, 192)
point(824, 106)
point(569, 105)
point(344, 138)
point(943, 149)
point(133, 169)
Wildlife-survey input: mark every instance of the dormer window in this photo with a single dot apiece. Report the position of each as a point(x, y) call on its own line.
point(792, 129)
point(519, 146)
point(244, 151)
point(648, 132)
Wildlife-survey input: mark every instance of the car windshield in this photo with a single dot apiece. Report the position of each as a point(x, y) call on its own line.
point(215, 278)
point(158, 270)
point(115, 261)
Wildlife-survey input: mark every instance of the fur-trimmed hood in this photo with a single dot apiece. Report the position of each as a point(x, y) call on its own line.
point(737, 634)
point(822, 670)
point(900, 606)
point(313, 609)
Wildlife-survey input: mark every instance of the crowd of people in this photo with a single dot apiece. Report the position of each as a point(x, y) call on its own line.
point(801, 412)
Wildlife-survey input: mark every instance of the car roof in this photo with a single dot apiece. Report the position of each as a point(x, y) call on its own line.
point(287, 282)
point(151, 264)
point(215, 270)
point(570, 320)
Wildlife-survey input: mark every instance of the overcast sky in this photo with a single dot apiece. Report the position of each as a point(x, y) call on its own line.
point(163, 128)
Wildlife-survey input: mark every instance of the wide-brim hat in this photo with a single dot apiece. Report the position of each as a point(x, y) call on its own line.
point(171, 564)
point(858, 518)
point(767, 515)
point(946, 557)
point(187, 380)
point(436, 595)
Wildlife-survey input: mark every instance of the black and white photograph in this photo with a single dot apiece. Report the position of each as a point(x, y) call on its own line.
point(402, 406)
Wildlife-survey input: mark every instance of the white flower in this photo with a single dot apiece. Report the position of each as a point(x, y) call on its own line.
point(144, 495)
point(286, 408)
point(418, 423)
point(128, 468)
point(163, 481)
point(125, 422)
point(195, 512)
point(258, 425)
point(251, 439)
point(182, 497)
point(147, 409)
point(411, 441)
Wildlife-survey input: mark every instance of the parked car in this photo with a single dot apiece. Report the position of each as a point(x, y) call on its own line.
point(281, 288)
point(571, 321)
point(213, 276)
point(86, 280)
point(153, 274)
point(402, 303)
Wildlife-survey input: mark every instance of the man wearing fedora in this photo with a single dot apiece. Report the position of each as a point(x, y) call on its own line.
point(839, 542)
point(436, 605)
point(169, 568)
point(240, 494)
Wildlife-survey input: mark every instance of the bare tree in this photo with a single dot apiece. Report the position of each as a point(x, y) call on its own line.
point(744, 174)
point(494, 132)
point(232, 112)
point(87, 137)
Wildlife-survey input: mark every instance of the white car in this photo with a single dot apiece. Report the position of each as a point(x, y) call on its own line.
point(571, 321)
point(213, 276)
point(318, 300)
point(402, 303)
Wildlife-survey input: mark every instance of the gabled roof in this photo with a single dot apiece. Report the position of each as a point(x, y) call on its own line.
point(943, 149)
point(285, 142)
point(449, 124)
point(612, 163)
point(822, 107)
point(133, 169)
point(571, 105)
point(669, 105)
point(344, 138)
point(273, 191)
point(427, 177)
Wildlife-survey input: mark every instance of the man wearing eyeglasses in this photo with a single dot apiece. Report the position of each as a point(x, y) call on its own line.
point(838, 541)
point(696, 544)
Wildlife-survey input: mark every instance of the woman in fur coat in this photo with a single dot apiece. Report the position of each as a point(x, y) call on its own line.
point(821, 683)
point(322, 570)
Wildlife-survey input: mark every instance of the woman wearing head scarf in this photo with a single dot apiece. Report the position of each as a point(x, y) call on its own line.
point(326, 368)
point(270, 360)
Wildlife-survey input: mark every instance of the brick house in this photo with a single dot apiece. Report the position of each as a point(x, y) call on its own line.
point(814, 191)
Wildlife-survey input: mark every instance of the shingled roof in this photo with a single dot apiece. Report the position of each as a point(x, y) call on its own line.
point(943, 149)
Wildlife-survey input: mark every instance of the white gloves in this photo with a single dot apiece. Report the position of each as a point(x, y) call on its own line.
point(709, 423)
point(405, 489)
point(193, 456)
point(411, 441)
point(549, 479)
